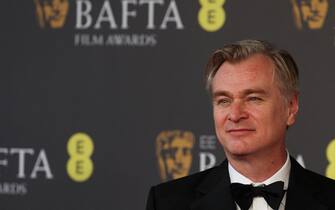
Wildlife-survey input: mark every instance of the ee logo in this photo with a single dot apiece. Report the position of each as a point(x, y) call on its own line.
point(211, 16)
point(330, 171)
point(80, 149)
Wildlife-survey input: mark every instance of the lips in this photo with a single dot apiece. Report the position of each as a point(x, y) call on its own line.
point(240, 131)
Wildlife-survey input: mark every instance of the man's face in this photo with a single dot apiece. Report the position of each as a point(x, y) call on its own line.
point(314, 12)
point(55, 12)
point(179, 157)
point(250, 113)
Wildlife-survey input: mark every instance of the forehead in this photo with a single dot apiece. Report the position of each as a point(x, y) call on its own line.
point(257, 71)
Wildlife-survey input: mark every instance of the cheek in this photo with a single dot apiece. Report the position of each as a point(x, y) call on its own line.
point(219, 121)
point(273, 121)
point(219, 116)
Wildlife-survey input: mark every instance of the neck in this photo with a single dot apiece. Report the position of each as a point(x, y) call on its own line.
point(260, 167)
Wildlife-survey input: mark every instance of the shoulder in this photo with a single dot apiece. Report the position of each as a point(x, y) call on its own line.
point(310, 178)
point(309, 190)
point(323, 187)
point(180, 193)
point(183, 185)
point(308, 182)
point(324, 183)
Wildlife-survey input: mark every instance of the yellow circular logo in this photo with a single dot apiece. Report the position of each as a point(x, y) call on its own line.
point(211, 16)
point(80, 148)
point(330, 171)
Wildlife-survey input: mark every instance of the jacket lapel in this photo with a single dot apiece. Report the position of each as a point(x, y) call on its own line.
point(214, 191)
point(302, 193)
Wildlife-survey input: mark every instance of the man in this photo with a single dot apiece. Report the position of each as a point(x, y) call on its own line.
point(254, 89)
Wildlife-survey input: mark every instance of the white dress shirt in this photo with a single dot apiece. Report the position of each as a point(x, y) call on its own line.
point(259, 203)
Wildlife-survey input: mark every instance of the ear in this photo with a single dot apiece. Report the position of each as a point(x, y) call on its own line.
point(293, 107)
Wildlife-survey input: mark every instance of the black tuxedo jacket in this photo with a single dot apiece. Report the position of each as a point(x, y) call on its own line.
point(210, 190)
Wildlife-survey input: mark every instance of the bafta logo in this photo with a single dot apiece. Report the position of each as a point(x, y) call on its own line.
point(174, 153)
point(51, 13)
point(309, 13)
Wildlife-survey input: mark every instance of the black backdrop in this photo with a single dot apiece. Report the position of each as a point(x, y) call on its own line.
point(120, 83)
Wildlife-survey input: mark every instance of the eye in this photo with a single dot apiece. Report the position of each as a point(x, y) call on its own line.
point(255, 99)
point(223, 101)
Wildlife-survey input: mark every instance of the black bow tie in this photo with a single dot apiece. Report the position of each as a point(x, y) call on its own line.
point(244, 194)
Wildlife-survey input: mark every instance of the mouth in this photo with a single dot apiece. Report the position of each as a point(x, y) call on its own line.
point(240, 131)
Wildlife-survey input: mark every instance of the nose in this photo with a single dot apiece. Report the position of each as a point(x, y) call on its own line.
point(237, 112)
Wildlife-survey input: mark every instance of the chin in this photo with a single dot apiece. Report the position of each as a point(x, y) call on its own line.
point(237, 150)
point(239, 153)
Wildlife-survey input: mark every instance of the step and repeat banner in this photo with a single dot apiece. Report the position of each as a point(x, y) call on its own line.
point(101, 99)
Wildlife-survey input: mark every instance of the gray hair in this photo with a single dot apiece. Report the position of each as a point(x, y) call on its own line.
point(286, 70)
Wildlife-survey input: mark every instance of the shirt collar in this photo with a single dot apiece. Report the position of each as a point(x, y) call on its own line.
point(281, 175)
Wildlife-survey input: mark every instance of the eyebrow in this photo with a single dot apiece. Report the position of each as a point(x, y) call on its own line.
point(243, 93)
